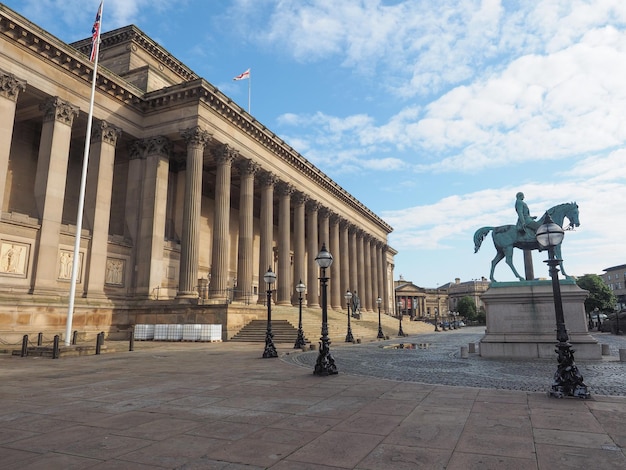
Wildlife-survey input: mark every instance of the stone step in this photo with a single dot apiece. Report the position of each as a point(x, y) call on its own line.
point(255, 331)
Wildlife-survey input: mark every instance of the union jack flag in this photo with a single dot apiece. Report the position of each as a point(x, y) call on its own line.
point(95, 34)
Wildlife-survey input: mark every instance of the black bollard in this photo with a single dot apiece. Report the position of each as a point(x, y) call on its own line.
point(24, 345)
point(55, 347)
point(39, 339)
point(74, 336)
point(99, 341)
point(131, 343)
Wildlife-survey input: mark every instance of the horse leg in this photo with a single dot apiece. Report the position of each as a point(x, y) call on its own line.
point(557, 253)
point(499, 257)
point(509, 261)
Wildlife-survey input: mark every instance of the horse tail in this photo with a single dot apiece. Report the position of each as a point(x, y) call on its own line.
point(479, 236)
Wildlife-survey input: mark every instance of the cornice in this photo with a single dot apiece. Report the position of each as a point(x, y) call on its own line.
point(40, 43)
point(132, 33)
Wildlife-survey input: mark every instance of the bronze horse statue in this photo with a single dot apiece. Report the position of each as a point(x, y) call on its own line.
point(507, 237)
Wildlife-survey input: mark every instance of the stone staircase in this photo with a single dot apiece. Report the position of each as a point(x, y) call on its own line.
point(284, 332)
point(364, 330)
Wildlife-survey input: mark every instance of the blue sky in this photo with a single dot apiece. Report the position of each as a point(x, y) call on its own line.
point(434, 114)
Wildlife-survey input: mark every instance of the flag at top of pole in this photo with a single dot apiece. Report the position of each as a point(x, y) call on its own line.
point(243, 76)
point(95, 34)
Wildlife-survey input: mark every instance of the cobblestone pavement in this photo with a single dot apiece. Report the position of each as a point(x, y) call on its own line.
point(440, 363)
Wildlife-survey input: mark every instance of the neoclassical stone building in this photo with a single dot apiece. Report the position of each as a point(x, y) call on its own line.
point(188, 201)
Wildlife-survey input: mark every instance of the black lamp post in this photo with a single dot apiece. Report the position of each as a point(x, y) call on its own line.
point(567, 379)
point(380, 335)
point(436, 326)
point(325, 364)
point(300, 343)
point(348, 297)
point(270, 350)
point(400, 332)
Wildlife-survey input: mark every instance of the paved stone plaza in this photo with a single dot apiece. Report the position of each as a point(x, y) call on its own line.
point(220, 406)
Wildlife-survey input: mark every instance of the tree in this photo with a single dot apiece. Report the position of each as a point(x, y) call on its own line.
point(600, 296)
point(466, 307)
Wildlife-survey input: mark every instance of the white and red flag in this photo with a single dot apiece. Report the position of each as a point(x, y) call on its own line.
point(95, 34)
point(243, 76)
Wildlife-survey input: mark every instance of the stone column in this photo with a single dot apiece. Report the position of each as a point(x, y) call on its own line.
point(283, 294)
point(375, 277)
point(354, 271)
point(149, 269)
point(196, 139)
point(97, 212)
point(299, 271)
point(345, 259)
point(336, 294)
point(266, 230)
point(383, 270)
point(10, 88)
point(224, 157)
point(364, 294)
point(313, 248)
point(381, 282)
point(324, 237)
point(50, 179)
point(245, 257)
point(369, 274)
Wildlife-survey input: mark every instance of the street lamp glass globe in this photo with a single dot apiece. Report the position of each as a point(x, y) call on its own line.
point(347, 296)
point(379, 300)
point(549, 234)
point(269, 277)
point(324, 259)
point(300, 287)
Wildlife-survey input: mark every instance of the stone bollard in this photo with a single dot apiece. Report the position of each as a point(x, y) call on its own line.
point(622, 355)
point(472, 347)
point(464, 353)
point(605, 350)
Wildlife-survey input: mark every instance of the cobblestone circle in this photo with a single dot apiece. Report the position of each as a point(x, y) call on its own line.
point(440, 363)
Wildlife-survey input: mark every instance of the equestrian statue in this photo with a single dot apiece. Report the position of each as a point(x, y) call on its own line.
point(523, 234)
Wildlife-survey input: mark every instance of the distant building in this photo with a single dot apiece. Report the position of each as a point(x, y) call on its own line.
point(420, 302)
point(615, 278)
point(474, 289)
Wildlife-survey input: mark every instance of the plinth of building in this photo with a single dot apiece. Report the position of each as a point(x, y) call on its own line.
point(521, 321)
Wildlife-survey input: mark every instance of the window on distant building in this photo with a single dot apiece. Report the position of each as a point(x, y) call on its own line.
point(609, 276)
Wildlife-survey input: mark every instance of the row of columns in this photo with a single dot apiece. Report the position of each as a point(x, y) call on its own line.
point(359, 260)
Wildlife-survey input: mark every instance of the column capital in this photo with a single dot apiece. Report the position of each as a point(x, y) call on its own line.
point(106, 132)
point(10, 86)
point(312, 205)
point(267, 178)
point(56, 109)
point(325, 212)
point(142, 148)
point(196, 136)
point(225, 154)
point(344, 224)
point(247, 167)
point(284, 189)
point(335, 219)
point(300, 198)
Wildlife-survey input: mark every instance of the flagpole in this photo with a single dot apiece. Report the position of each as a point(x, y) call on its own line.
point(83, 184)
point(249, 89)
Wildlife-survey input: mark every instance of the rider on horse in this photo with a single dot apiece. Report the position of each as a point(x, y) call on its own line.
point(526, 224)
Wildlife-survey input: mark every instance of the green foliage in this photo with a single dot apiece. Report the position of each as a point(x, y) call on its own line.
point(467, 308)
point(600, 296)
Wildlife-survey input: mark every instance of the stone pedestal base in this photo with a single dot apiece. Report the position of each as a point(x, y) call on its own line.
point(521, 322)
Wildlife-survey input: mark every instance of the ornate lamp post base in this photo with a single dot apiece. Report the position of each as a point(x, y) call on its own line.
point(325, 364)
point(300, 342)
point(349, 337)
point(270, 349)
point(568, 381)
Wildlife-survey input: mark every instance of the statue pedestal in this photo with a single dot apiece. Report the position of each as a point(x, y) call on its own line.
point(521, 322)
